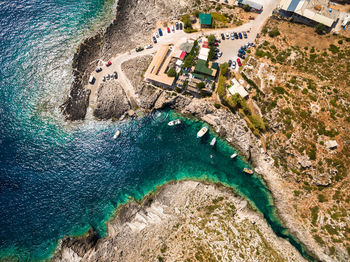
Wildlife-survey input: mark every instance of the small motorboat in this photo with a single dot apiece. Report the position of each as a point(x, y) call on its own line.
point(116, 134)
point(233, 156)
point(213, 141)
point(248, 171)
point(202, 132)
point(174, 122)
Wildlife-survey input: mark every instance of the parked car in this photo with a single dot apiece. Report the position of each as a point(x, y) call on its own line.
point(160, 32)
point(172, 28)
point(98, 69)
point(233, 65)
point(168, 30)
point(236, 35)
point(251, 44)
point(245, 34)
point(216, 44)
point(222, 36)
point(177, 25)
point(180, 24)
point(154, 40)
point(227, 36)
point(108, 63)
point(115, 75)
point(239, 62)
point(156, 34)
point(148, 46)
point(240, 35)
point(229, 62)
point(92, 80)
point(232, 36)
point(220, 54)
point(104, 79)
point(108, 77)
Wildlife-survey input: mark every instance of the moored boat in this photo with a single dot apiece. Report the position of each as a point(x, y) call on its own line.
point(233, 156)
point(213, 141)
point(174, 122)
point(202, 132)
point(248, 171)
point(116, 134)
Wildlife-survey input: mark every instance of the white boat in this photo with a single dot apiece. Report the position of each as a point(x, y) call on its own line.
point(174, 122)
point(233, 156)
point(116, 134)
point(213, 141)
point(202, 132)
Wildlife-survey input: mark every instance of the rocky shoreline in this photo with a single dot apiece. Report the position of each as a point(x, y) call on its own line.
point(156, 228)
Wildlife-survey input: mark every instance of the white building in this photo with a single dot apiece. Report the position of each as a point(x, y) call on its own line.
point(237, 88)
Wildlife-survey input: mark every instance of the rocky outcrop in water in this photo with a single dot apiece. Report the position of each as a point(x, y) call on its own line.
point(112, 101)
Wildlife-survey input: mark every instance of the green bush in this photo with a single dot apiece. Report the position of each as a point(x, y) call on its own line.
point(221, 87)
point(279, 90)
point(200, 85)
point(322, 198)
point(217, 106)
point(223, 68)
point(171, 72)
point(274, 32)
point(333, 48)
point(320, 29)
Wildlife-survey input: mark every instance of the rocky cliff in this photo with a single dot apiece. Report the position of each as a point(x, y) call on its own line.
point(135, 20)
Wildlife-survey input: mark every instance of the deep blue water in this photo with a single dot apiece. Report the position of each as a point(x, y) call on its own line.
point(60, 179)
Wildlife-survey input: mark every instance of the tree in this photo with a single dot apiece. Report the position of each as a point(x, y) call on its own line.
point(171, 72)
point(211, 40)
point(246, 8)
point(223, 68)
point(320, 29)
point(211, 54)
point(200, 85)
point(187, 21)
point(188, 61)
point(222, 86)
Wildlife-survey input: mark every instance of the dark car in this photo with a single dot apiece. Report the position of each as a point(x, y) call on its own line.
point(154, 39)
point(236, 35)
point(177, 25)
point(222, 36)
point(240, 35)
point(160, 32)
point(180, 24)
point(229, 63)
point(115, 75)
point(245, 34)
point(98, 69)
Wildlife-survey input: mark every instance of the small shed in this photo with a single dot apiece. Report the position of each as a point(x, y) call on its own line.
point(205, 20)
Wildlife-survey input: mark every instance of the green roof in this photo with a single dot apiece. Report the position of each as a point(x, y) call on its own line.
point(198, 76)
point(215, 65)
point(205, 19)
point(201, 67)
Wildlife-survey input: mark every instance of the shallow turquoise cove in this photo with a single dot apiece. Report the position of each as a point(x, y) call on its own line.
point(60, 179)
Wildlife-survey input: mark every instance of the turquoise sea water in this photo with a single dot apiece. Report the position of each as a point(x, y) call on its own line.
point(60, 179)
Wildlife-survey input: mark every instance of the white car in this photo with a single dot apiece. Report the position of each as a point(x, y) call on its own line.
point(148, 46)
point(227, 36)
point(233, 64)
point(172, 28)
point(220, 54)
point(156, 34)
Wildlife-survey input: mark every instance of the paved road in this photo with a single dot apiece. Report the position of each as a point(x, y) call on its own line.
point(228, 47)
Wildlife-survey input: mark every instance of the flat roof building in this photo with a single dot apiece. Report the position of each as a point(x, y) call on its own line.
point(156, 72)
point(237, 88)
point(309, 11)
